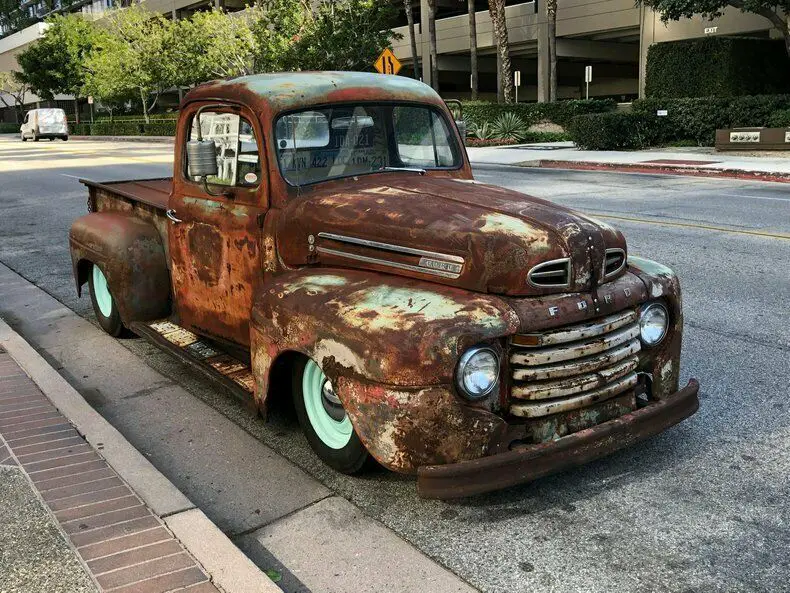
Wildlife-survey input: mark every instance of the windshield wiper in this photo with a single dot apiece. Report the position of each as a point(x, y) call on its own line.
point(407, 169)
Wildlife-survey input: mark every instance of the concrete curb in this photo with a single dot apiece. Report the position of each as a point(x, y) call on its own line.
point(691, 171)
point(229, 568)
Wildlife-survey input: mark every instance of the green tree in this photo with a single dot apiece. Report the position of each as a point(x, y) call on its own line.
point(277, 30)
point(137, 56)
point(11, 85)
point(775, 11)
point(55, 64)
point(345, 35)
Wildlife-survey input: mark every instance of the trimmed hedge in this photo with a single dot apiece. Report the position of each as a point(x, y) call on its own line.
point(9, 128)
point(559, 112)
point(717, 67)
point(120, 127)
point(616, 131)
point(698, 118)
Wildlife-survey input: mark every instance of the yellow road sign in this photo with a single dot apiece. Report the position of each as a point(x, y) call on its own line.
point(388, 63)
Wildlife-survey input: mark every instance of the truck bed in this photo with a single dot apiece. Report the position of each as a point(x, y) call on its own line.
point(153, 192)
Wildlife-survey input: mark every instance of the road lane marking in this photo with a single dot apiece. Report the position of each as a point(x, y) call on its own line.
point(688, 225)
point(756, 197)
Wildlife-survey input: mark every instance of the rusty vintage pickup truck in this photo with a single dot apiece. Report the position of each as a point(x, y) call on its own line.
point(322, 240)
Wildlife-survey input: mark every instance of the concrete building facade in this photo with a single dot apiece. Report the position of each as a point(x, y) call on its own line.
point(612, 36)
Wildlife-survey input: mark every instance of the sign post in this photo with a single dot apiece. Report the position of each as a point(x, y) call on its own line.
point(587, 80)
point(517, 81)
point(387, 63)
point(90, 102)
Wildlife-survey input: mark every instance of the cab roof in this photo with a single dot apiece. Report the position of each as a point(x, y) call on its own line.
point(287, 91)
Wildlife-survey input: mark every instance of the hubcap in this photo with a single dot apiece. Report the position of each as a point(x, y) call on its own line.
point(324, 409)
point(101, 293)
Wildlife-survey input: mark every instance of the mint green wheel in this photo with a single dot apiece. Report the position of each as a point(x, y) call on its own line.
point(324, 409)
point(103, 303)
point(102, 292)
point(324, 421)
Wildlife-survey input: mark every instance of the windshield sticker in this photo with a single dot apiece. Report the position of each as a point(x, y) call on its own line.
point(251, 178)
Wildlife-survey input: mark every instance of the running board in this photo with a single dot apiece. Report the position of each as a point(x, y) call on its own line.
point(199, 353)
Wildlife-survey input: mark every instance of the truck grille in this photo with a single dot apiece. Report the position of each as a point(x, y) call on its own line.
point(573, 366)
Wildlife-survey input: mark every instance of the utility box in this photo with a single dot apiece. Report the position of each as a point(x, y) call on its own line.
point(753, 139)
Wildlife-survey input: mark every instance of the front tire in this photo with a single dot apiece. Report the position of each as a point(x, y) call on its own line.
point(23, 137)
point(104, 304)
point(324, 421)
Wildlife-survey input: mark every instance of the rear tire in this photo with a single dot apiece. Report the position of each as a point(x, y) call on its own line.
point(324, 421)
point(65, 138)
point(104, 304)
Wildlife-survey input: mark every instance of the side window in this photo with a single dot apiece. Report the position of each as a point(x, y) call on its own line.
point(423, 138)
point(238, 160)
point(27, 118)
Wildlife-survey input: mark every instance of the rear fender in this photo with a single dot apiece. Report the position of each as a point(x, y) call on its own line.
point(130, 253)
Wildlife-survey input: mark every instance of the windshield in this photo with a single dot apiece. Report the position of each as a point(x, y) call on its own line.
point(319, 144)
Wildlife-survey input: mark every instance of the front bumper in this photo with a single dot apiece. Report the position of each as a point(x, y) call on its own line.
point(531, 462)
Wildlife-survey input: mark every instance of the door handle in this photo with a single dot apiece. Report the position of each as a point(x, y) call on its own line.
point(171, 214)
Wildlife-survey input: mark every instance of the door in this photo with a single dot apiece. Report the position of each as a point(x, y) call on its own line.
point(214, 229)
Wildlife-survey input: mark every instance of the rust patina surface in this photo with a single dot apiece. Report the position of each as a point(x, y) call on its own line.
point(385, 280)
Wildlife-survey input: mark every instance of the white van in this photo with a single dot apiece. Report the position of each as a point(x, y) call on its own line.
point(44, 123)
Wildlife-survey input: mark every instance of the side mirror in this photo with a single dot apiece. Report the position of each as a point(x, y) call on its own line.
point(202, 155)
point(461, 129)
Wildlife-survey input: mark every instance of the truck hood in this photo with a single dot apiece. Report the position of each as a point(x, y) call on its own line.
point(452, 231)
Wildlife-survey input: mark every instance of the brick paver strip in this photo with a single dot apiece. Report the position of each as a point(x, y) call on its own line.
point(88, 498)
point(107, 479)
point(168, 582)
point(124, 545)
point(50, 445)
point(58, 432)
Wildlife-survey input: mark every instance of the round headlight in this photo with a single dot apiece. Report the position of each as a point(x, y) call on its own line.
point(653, 322)
point(478, 372)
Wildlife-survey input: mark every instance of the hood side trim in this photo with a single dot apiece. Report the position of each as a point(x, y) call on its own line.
point(391, 247)
point(389, 263)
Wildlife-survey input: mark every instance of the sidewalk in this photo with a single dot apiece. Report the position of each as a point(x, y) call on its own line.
point(80, 514)
point(122, 545)
point(703, 162)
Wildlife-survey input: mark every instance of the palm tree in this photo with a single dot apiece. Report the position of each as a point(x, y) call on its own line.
point(432, 52)
point(412, 37)
point(551, 9)
point(473, 46)
point(496, 8)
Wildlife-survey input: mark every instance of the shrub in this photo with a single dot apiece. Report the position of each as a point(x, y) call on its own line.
point(160, 128)
point(780, 119)
point(80, 129)
point(698, 118)
point(616, 131)
point(9, 128)
point(560, 112)
point(509, 126)
point(717, 66)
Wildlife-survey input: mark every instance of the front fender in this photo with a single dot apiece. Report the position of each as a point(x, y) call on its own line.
point(130, 253)
point(390, 345)
point(663, 361)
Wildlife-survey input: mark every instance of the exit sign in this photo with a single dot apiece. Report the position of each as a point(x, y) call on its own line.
point(710, 30)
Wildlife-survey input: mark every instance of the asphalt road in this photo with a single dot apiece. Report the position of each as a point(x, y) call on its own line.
point(702, 507)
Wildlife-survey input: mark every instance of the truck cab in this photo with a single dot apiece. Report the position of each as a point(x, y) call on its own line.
point(323, 240)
